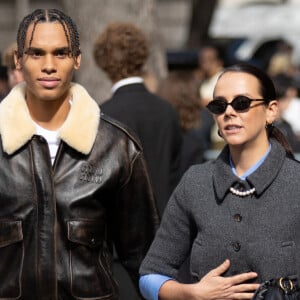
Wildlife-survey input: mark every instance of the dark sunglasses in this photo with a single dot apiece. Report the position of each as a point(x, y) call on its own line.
point(239, 104)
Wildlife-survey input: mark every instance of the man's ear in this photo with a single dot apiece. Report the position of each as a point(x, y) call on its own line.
point(77, 61)
point(17, 60)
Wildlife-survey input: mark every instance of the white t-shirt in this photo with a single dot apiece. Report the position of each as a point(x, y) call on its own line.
point(51, 136)
point(52, 139)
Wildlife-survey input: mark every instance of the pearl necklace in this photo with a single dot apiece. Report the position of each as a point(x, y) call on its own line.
point(242, 193)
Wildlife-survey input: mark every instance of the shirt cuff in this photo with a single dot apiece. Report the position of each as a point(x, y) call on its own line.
point(150, 285)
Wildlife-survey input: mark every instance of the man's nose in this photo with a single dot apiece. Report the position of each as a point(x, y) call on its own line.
point(49, 64)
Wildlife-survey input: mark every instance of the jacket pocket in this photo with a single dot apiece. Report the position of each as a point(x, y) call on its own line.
point(90, 276)
point(12, 256)
point(274, 259)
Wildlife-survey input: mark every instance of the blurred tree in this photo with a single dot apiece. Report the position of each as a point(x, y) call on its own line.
point(201, 15)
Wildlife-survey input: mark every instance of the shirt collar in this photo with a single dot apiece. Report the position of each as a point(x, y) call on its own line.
point(129, 80)
point(261, 178)
point(251, 169)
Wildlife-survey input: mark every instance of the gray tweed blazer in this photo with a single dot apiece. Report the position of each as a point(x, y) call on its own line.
point(203, 219)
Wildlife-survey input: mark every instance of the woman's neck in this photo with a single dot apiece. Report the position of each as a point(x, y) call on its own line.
point(243, 158)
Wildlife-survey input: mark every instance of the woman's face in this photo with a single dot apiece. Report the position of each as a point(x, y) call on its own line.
point(246, 128)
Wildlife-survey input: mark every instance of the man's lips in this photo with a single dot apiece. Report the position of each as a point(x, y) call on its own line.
point(49, 82)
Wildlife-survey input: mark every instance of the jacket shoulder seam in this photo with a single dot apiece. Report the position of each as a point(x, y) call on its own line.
point(123, 128)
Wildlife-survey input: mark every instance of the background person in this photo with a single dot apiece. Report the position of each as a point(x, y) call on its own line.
point(285, 91)
point(15, 76)
point(121, 51)
point(211, 64)
point(180, 88)
point(225, 213)
point(4, 84)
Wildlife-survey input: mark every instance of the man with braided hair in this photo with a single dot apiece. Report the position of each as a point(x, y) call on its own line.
point(73, 181)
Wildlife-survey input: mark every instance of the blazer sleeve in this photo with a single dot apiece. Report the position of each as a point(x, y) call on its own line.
point(172, 244)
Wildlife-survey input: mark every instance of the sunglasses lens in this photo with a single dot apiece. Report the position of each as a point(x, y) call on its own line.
point(241, 103)
point(217, 106)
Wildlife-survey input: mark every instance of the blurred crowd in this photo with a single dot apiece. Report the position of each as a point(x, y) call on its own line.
point(205, 65)
point(9, 75)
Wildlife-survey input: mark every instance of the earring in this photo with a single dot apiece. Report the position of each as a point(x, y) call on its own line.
point(268, 125)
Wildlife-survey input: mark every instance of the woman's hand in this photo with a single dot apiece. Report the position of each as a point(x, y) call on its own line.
point(213, 286)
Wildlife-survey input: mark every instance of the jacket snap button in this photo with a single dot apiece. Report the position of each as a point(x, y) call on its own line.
point(237, 217)
point(236, 246)
point(93, 241)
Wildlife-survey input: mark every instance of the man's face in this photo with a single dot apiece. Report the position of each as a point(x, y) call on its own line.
point(46, 64)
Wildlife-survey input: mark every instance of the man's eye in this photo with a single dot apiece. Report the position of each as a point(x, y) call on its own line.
point(35, 54)
point(62, 54)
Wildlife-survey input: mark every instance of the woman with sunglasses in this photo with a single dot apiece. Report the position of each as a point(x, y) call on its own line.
point(236, 218)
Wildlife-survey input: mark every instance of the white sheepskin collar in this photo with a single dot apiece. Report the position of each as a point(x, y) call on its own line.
point(78, 131)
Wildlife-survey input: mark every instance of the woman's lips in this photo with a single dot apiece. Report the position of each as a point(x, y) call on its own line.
point(233, 128)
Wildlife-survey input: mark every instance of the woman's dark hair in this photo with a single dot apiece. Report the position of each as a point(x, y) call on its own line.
point(49, 16)
point(268, 93)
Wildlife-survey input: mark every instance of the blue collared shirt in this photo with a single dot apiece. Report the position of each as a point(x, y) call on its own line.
point(251, 169)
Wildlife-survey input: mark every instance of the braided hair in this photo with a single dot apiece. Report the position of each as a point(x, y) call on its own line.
point(49, 16)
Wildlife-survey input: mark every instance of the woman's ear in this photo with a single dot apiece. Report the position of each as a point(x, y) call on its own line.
point(272, 111)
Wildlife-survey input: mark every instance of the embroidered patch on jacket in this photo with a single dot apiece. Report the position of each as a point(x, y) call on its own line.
point(90, 173)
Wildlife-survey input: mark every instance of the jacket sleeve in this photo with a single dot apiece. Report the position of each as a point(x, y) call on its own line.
point(136, 217)
point(172, 243)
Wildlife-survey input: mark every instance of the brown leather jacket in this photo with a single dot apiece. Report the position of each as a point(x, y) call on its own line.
point(58, 222)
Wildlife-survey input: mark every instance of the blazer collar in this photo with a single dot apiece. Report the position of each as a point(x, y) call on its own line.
point(78, 131)
point(223, 177)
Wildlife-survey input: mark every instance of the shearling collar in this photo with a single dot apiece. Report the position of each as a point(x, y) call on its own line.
point(78, 131)
point(223, 177)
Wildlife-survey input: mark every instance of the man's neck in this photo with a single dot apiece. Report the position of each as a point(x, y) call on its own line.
point(49, 115)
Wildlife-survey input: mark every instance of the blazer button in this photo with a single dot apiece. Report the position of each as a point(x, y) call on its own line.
point(236, 246)
point(237, 218)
